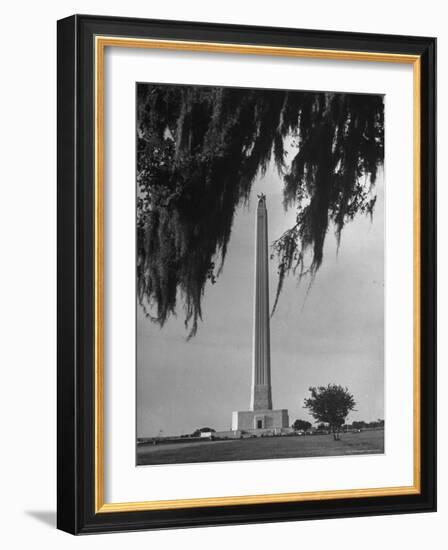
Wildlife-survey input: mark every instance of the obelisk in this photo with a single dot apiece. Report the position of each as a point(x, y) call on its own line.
point(261, 419)
point(261, 395)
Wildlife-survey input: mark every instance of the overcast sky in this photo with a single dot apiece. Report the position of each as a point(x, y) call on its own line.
point(335, 334)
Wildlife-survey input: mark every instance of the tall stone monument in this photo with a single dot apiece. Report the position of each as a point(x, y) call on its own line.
point(261, 417)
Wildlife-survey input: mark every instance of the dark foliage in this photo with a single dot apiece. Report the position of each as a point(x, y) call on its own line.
point(330, 405)
point(199, 149)
point(301, 425)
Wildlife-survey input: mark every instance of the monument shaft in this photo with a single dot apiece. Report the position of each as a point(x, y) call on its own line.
point(261, 395)
point(261, 419)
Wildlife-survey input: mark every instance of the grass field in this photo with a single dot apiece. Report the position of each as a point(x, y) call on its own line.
point(262, 448)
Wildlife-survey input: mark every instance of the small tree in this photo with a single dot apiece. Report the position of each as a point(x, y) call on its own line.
point(330, 404)
point(301, 425)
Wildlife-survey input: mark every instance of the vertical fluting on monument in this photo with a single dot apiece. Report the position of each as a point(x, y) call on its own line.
point(261, 395)
point(261, 419)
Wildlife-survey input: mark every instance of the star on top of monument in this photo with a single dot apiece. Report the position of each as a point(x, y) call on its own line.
point(261, 198)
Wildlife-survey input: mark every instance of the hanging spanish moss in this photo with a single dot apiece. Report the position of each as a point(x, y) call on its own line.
point(199, 150)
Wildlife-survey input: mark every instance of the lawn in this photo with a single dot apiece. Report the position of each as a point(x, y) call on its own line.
point(262, 448)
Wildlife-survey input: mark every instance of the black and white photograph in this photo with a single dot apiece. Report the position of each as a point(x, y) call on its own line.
point(259, 274)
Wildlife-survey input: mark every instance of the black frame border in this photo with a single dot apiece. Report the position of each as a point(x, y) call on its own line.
point(75, 272)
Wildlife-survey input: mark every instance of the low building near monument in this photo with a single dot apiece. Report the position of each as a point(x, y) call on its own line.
point(260, 419)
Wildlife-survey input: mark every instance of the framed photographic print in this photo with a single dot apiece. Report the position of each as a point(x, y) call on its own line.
point(246, 274)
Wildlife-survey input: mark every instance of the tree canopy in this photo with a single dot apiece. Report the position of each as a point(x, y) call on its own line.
point(301, 425)
point(331, 405)
point(199, 150)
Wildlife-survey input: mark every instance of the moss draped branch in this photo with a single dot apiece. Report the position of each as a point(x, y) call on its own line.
point(199, 150)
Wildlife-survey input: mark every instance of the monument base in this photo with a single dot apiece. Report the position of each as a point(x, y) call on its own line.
point(260, 420)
